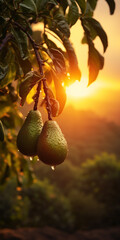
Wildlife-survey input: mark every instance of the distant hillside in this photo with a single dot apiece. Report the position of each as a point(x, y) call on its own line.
point(88, 134)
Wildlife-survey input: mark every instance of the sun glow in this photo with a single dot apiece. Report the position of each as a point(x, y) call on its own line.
point(80, 89)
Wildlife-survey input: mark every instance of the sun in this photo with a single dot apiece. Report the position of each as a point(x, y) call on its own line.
point(80, 89)
point(77, 89)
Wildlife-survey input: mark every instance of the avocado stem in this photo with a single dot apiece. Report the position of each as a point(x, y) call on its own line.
point(37, 96)
point(40, 64)
point(48, 105)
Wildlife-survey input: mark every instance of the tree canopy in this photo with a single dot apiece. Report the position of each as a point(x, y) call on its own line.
point(32, 62)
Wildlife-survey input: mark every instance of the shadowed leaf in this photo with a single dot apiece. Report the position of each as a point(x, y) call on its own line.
point(73, 13)
point(81, 4)
point(60, 92)
point(30, 80)
point(99, 31)
point(95, 63)
point(111, 4)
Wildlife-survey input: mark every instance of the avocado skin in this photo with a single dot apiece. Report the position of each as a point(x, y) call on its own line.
point(29, 133)
point(52, 146)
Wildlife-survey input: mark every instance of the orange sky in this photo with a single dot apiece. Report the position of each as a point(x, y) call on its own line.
point(103, 95)
point(109, 77)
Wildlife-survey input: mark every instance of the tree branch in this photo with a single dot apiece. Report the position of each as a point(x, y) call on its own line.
point(48, 107)
point(40, 64)
point(35, 47)
point(37, 96)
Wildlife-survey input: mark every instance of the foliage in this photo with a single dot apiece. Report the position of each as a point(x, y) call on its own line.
point(28, 66)
point(48, 206)
point(13, 212)
point(103, 182)
point(78, 198)
point(40, 200)
point(92, 188)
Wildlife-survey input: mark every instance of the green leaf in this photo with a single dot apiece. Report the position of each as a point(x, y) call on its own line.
point(52, 44)
point(82, 5)
point(21, 42)
point(29, 82)
point(60, 93)
point(3, 71)
point(111, 4)
point(60, 22)
point(73, 13)
point(2, 25)
point(73, 69)
point(24, 64)
point(58, 60)
point(95, 59)
point(75, 73)
point(23, 22)
point(40, 4)
point(95, 63)
point(9, 61)
point(1, 132)
point(88, 10)
point(43, 4)
point(28, 7)
point(99, 31)
point(93, 3)
point(64, 5)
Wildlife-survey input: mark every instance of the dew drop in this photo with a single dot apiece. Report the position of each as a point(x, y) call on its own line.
point(53, 168)
point(31, 159)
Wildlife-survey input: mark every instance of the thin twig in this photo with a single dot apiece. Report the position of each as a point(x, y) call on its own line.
point(37, 96)
point(48, 105)
point(40, 64)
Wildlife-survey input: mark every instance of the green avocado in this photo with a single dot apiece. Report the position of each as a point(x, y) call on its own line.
point(29, 133)
point(52, 146)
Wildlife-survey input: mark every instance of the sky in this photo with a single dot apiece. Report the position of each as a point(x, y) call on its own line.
point(110, 23)
point(103, 95)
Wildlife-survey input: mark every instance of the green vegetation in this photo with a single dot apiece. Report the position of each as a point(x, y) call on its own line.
point(68, 198)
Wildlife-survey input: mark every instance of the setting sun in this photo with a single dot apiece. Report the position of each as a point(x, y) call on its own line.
point(80, 89)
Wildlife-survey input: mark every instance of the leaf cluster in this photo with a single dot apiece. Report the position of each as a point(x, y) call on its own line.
point(57, 17)
point(28, 57)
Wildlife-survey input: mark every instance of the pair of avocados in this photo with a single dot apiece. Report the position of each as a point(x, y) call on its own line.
point(47, 141)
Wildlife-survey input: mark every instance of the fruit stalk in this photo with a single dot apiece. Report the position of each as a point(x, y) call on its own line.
point(40, 64)
point(48, 107)
point(37, 96)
